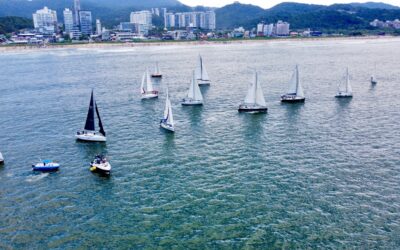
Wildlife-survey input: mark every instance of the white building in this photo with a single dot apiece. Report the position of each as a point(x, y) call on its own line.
point(68, 20)
point(282, 28)
point(203, 20)
point(143, 19)
point(260, 29)
point(98, 27)
point(268, 29)
point(45, 20)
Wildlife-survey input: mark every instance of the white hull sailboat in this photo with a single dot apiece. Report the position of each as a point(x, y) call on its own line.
point(157, 73)
point(254, 101)
point(296, 93)
point(201, 73)
point(1, 158)
point(345, 90)
point(167, 122)
point(194, 96)
point(89, 133)
point(146, 89)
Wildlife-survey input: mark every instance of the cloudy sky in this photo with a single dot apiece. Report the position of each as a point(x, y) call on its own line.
point(270, 3)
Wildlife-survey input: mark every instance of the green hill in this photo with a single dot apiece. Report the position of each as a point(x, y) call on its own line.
point(13, 24)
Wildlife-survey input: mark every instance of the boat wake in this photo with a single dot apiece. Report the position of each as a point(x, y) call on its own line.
point(36, 178)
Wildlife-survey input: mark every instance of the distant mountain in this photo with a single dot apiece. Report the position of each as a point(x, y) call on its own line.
point(12, 24)
point(237, 14)
point(375, 5)
point(337, 16)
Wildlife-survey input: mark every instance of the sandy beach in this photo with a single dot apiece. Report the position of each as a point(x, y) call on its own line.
point(19, 48)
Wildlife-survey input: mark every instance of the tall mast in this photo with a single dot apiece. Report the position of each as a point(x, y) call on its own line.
point(297, 79)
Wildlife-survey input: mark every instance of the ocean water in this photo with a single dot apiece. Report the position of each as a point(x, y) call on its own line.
point(323, 174)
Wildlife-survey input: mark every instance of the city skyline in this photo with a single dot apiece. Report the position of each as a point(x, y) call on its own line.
point(271, 3)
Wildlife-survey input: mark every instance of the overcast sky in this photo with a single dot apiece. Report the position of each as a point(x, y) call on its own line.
point(270, 3)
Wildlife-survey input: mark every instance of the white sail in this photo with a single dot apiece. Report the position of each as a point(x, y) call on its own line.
point(255, 94)
point(194, 90)
point(299, 88)
point(201, 72)
point(142, 90)
point(348, 86)
point(1, 157)
point(157, 70)
point(259, 93)
point(293, 84)
point(168, 117)
point(149, 84)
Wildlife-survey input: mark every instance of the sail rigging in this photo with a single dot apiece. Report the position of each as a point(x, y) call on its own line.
point(89, 125)
point(255, 94)
point(194, 90)
point(100, 123)
point(201, 72)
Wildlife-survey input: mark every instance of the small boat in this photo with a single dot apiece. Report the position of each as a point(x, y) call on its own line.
point(1, 159)
point(201, 73)
point(344, 90)
point(89, 133)
point(194, 96)
point(254, 101)
point(100, 165)
point(167, 122)
point(46, 166)
point(146, 89)
point(157, 73)
point(296, 93)
point(373, 78)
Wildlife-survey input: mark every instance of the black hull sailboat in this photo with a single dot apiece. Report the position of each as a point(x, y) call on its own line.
point(89, 133)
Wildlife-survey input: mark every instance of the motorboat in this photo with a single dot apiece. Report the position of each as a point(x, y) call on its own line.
point(100, 165)
point(46, 166)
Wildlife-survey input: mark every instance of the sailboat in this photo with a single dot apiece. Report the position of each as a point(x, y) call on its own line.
point(157, 73)
point(373, 79)
point(201, 73)
point(89, 133)
point(146, 89)
point(1, 158)
point(296, 93)
point(167, 122)
point(344, 90)
point(194, 96)
point(254, 101)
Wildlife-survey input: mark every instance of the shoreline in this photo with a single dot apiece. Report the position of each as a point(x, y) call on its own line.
point(18, 48)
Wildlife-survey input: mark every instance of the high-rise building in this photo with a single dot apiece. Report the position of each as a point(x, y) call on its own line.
point(77, 9)
point(98, 27)
point(143, 19)
point(85, 19)
point(268, 29)
point(282, 28)
point(45, 20)
point(203, 20)
point(68, 20)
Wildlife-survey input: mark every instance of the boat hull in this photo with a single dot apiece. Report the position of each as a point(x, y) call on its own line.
point(156, 76)
point(51, 167)
point(252, 110)
point(190, 102)
point(167, 127)
point(104, 169)
point(344, 95)
point(374, 82)
point(203, 83)
point(149, 96)
point(292, 99)
point(91, 137)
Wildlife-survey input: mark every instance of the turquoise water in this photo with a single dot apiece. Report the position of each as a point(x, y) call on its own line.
point(323, 174)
